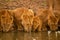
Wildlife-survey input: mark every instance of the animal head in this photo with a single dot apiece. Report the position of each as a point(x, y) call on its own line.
point(6, 20)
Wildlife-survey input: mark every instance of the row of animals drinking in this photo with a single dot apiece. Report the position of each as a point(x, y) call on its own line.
point(24, 19)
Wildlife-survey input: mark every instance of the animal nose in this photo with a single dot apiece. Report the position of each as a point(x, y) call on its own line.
point(5, 30)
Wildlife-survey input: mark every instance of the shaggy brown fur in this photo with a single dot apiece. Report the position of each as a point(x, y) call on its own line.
point(23, 18)
point(52, 20)
point(27, 19)
point(37, 23)
point(6, 20)
point(0, 21)
point(17, 13)
point(57, 15)
point(43, 16)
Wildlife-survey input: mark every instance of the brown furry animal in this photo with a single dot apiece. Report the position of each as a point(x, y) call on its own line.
point(17, 13)
point(52, 20)
point(43, 16)
point(23, 18)
point(57, 15)
point(27, 19)
point(37, 24)
point(0, 21)
point(6, 20)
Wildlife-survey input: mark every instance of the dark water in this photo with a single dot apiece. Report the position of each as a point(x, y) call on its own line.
point(30, 36)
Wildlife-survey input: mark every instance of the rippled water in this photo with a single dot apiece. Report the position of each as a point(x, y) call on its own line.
point(30, 36)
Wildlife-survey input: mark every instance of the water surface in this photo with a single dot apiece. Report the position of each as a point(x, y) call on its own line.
point(30, 36)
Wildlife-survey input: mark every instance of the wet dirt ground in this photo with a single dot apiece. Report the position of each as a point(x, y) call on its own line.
point(30, 36)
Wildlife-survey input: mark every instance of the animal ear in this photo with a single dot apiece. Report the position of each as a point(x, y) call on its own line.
point(3, 12)
point(31, 10)
point(10, 12)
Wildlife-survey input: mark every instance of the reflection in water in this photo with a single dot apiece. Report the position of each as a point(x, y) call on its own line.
point(7, 36)
point(28, 36)
point(1, 35)
point(53, 36)
point(58, 36)
point(20, 36)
